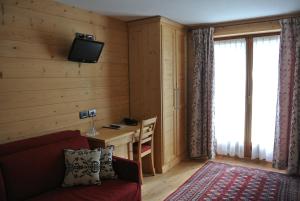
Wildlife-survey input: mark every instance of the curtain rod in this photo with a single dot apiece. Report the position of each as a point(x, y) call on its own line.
point(247, 21)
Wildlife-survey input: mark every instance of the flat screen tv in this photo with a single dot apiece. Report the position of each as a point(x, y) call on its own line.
point(85, 50)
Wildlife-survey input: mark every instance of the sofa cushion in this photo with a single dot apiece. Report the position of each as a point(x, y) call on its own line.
point(22, 145)
point(109, 190)
point(106, 163)
point(82, 167)
point(37, 170)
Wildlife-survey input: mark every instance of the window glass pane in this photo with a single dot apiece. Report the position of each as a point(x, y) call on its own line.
point(264, 95)
point(230, 81)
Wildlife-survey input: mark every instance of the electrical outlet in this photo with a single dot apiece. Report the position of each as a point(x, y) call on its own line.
point(92, 112)
point(83, 114)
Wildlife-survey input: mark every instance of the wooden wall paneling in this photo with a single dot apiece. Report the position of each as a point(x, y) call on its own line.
point(59, 83)
point(42, 92)
point(35, 68)
point(23, 17)
point(20, 99)
point(29, 34)
point(35, 127)
point(36, 112)
point(60, 27)
point(58, 9)
point(19, 49)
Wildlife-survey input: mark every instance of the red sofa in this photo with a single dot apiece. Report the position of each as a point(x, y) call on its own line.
point(33, 169)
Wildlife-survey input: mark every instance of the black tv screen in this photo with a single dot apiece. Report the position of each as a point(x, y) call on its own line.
point(86, 51)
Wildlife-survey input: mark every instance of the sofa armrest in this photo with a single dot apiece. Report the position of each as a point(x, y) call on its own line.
point(127, 169)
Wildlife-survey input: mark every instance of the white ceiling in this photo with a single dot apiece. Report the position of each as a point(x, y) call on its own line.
point(188, 11)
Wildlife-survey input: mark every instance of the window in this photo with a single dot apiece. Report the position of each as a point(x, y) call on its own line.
point(230, 79)
point(246, 74)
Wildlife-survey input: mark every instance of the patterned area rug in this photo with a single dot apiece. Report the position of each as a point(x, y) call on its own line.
point(218, 181)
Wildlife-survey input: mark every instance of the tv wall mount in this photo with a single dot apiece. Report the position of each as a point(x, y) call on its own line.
point(85, 36)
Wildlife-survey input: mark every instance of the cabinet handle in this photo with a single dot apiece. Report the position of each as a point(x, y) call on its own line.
point(177, 98)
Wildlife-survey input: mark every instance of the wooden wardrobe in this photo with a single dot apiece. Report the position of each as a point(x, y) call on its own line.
point(157, 71)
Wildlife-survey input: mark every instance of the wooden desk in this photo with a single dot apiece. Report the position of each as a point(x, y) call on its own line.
point(118, 137)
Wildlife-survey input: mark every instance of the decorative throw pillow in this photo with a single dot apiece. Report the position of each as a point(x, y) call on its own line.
point(106, 166)
point(82, 167)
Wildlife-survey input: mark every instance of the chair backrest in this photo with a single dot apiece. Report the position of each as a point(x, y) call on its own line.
point(147, 132)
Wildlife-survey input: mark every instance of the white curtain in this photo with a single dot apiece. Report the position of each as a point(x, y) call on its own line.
point(230, 80)
point(264, 96)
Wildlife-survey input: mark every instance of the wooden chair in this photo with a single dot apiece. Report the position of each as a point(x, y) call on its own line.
point(143, 149)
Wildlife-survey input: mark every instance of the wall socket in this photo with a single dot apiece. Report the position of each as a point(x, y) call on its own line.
point(83, 114)
point(92, 112)
point(87, 113)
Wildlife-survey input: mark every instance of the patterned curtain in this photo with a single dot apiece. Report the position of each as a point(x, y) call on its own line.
point(287, 134)
point(200, 94)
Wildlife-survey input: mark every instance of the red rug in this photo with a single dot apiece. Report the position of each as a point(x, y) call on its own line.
point(218, 181)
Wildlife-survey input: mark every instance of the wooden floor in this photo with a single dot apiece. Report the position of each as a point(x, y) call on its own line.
point(160, 186)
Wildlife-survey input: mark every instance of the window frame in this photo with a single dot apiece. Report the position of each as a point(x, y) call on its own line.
point(248, 84)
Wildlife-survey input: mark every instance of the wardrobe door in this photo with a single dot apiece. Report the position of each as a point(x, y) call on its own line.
point(144, 74)
point(169, 90)
point(180, 93)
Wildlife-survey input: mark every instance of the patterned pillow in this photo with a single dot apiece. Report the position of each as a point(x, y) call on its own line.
point(82, 167)
point(106, 167)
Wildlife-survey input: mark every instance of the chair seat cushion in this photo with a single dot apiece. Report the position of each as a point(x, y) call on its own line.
point(144, 147)
point(106, 163)
point(109, 190)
